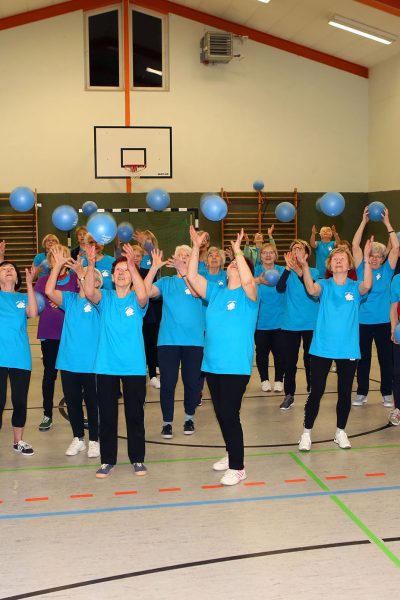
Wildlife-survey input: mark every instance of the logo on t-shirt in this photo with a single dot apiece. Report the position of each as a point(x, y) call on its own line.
point(21, 304)
point(188, 292)
point(148, 263)
point(378, 276)
point(105, 273)
point(129, 311)
point(220, 282)
point(349, 296)
point(231, 305)
point(330, 248)
point(87, 308)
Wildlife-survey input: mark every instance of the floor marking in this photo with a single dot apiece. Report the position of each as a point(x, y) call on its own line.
point(374, 474)
point(170, 490)
point(331, 477)
point(211, 487)
point(333, 495)
point(82, 496)
point(125, 493)
point(254, 483)
point(36, 499)
point(189, 504)
point(294, 480)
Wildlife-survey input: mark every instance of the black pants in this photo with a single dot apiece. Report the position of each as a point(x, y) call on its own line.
point(150, 336)
point(169, 359)
point(19, 380)
point(346, 370)
point(396, 375)
point(271, 340)
point(49, 352)
point(73, 385)
point(292, 341)
point(381, 335)
point(134, 393)
point(226, 394)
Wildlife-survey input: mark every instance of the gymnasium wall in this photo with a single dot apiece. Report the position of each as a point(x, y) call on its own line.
point(270, 115)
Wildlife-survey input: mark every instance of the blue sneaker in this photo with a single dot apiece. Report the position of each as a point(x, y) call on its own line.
point(104, 471)
point(139, 469)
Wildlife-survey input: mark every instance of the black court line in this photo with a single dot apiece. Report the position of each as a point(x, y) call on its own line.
point(189, 565)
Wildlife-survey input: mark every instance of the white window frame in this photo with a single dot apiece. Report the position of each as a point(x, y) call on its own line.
point(104, 88)
point(165, 49)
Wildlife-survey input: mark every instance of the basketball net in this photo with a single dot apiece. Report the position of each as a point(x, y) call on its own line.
point(135, 171)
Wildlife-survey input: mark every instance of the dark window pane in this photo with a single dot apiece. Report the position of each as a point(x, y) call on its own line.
point(147, 50)
point(103, 49)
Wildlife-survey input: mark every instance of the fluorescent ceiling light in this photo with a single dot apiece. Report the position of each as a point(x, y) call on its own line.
point(264, 1)
point(150, 70)
point(366, 31)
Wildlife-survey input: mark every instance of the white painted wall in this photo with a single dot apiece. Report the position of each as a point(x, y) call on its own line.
point(272, 115)
point(384, 126)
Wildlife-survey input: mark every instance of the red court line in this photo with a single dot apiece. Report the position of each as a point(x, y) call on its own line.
point(374, 474)
point(330, 477)
point(36, 499)
point(294, 480)
point(254, 483)
point(125, 493)
point(170, 489)
point(82, 496)
point(211, 487)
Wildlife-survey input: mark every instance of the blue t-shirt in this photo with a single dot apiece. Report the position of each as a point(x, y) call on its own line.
point(80, 334)
point(146, 262)
point(15, 352)
point(37, 261)
point(218, 278)
point(322, 251)
point(395, 289)
point(376, 307)
point(270, 314)
point(182, 322)
point(121, 348)
point(104, 266)
point(300, 309)
point(230, 325)
point(336, 334)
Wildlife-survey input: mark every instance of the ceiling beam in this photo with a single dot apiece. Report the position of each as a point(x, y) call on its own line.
point(389, 6)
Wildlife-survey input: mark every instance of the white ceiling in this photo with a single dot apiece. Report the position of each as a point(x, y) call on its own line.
point(301, 21)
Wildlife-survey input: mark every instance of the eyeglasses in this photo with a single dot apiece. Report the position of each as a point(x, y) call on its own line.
point(266, 253)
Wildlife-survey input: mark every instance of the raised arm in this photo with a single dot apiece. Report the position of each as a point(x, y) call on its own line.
point(89, 287)
point(314, 289)
point(32, 308)
point(2, 250)
point(313, 242)
point(197, 281)
point(356, 245)
point(394, 319)
point(138, 283)
point(336, 236)
point(157, 262)
point(246, 276)
point(394, 242)
point(59, 261)
point(366, 285)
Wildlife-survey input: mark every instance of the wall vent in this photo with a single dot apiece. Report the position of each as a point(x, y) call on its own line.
point(216, 47)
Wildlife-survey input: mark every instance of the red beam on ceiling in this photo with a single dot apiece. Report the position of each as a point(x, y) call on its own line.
point(390, 6)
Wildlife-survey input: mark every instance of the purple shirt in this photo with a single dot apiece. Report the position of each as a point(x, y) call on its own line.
point(51, 320)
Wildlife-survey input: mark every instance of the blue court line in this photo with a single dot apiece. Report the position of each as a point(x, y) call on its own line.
point(89, 511)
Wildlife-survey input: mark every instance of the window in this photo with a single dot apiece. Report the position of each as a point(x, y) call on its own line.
point(148, 51)
point(103, 49)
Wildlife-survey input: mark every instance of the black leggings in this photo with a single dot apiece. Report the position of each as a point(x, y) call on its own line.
point(226, 394)
point(346, 369)
point(292, 341)
point(19, 379)
point(271, 340)
point(396, 375)
point(381, 335)
point(134, 392)
point(73, 384)
point(49, 352)
point(150, 336)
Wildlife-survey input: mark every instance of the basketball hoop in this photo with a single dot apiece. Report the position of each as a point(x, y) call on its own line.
point(134, 170)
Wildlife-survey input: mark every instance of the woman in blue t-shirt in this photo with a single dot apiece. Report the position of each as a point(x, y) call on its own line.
point(40, 264)
point(335, 337)
point(15, 353)
point(375, 312)
point(229, 348)
point(214, 266)
point(104, 262)
point(120, 357)
point(269, 336)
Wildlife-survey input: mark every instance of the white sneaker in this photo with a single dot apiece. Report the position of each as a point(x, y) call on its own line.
point(360, 400)
point(266, 386)
point(222, 464)
point(394, 417)
point(278, 386)
point(93, 450)
point(232, 477)
point(305, 442)
point(155, 383)
point(342, 440)
point(387, 401)
point(75, 447)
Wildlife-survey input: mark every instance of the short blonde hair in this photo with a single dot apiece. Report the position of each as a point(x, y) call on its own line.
point(303, 243)
point(183, 248)
point(221, 253)
point(97, 275)
point(340, 250)
point(80, 228)
point(46, 237)
point(151, 235)
point(378, 248)
point(89, 238)
point(137, 248)
point(325, 228)
point(270, 245)
point(66, 253)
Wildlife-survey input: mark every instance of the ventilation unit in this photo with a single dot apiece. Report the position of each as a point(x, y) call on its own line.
point(216, 47)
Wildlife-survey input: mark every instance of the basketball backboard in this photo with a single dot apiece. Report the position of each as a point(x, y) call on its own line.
point(115, 147)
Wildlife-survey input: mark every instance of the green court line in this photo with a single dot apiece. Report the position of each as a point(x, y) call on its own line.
point(373, 538)
point(194, 459)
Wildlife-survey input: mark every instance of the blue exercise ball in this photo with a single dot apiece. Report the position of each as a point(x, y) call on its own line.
point(45, 265)
point(332, 204)
point(89, 207)
point(125, 232)
point(214, 208)
point(396, 333)
point(258, 185)
point(398, 235)
point(376, 210)
point(64, 217)
point(102, 227)
point(285, 212)
point(41, 302)
point(318, 205)
point(272, 276)
point(158, 199)
point(22, 199)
